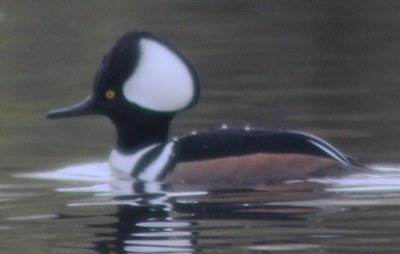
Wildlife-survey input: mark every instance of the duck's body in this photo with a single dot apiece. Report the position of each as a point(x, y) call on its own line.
point(255, 169)
point(234, 156)
point(143, 82)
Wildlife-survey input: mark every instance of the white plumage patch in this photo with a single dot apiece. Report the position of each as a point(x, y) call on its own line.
point(330, 150)
point(126, 163)
point(161, 81)
point(129, 164)
point(152, 171)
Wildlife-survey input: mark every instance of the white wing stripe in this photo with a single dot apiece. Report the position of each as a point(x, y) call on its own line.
point(331, 151)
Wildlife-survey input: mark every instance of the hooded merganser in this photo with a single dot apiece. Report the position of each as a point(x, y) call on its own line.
point(143, 82)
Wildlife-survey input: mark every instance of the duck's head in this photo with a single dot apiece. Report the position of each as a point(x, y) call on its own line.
point(140, 85)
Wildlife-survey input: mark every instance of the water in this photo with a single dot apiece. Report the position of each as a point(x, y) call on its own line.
point(327, 68)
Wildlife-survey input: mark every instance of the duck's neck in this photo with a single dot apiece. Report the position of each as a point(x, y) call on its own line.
point(141, 131)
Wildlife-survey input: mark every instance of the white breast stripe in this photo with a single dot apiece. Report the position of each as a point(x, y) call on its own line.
point(156, 168)
point(126, 163)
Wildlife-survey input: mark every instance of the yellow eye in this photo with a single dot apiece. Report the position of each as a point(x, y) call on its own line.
point(110, 94)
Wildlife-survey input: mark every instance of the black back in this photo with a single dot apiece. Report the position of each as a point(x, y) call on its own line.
point(234, 142)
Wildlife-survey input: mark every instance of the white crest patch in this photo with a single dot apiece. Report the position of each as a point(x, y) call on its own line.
point(161, 81)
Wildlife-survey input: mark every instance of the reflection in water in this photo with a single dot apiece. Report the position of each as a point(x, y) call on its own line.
point(177, 226)
point(145, 229)
point(155, 218)
point(120, 216)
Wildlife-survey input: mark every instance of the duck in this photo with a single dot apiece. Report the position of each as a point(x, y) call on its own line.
point(143, 81)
